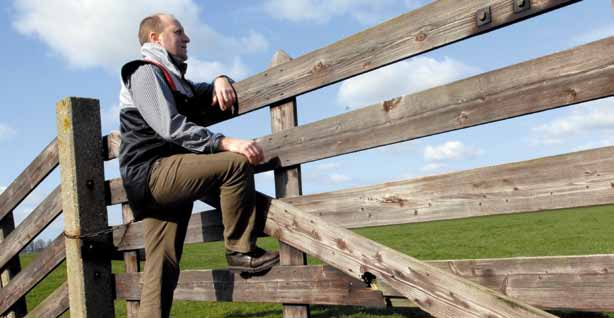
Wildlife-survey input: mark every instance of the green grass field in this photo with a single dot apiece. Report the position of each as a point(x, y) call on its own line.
point(563, 232)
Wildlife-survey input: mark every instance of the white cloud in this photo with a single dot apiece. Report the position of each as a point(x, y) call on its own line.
point(451, 150)
point(6, 131)
point(322, 11)
point(200, 71)
point(339, 178)
point(104, 33)
point(594, 35)
point(2, 188)
point(327, 173)
point(433, 166)
point(596, 116)
point(399, 79)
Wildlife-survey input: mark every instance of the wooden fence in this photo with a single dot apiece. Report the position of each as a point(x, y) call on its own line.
point(313, 223)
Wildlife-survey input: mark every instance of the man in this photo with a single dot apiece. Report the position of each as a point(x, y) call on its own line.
point(167, 161)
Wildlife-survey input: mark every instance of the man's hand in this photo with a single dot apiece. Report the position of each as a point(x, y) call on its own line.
point(224, 95)
point(248, 148)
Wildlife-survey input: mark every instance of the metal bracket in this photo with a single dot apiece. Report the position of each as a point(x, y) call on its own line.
point(483, 16)
point(521, 5)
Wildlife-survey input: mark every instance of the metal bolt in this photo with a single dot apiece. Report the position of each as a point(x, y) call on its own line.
point(89, 184)
point(97, 275)
point(483, 16)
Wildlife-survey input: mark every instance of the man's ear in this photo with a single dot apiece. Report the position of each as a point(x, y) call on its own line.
point(153, 37)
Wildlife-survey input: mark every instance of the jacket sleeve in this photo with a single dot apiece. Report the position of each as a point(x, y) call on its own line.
point(154, 100)
point(205, 91)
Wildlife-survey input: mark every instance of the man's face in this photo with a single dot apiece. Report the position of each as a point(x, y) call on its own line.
point(174, 39)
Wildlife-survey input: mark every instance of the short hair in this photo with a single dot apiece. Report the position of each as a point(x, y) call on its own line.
point(152, 23)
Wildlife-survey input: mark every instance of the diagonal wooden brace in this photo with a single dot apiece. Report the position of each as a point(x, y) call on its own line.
point(437, 292)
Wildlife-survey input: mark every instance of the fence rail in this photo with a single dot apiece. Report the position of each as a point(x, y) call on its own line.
point(432, 26)
point(579, 282)
point(578, 179)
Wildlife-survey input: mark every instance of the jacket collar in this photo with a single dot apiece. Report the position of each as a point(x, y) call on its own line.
point(157, 53)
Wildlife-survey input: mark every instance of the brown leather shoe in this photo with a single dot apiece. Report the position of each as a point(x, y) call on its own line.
point(255, 261)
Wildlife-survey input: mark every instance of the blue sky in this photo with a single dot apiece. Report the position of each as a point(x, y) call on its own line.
point(57, 48)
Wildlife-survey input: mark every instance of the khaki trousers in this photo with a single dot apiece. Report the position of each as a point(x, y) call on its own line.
point(226, 180)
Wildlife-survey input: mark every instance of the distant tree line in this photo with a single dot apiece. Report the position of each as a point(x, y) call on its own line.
point(37, 245)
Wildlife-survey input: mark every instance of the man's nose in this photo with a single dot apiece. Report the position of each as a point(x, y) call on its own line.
point(187, 39)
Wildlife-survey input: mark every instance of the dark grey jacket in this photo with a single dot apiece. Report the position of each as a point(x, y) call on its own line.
point(155, 121)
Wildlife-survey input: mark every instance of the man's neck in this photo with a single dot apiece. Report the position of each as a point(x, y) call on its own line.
point(181, 65)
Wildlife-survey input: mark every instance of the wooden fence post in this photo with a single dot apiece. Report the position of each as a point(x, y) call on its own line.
point(131, 259)
point(19, 309)
point(288, 182)
point(90, 283)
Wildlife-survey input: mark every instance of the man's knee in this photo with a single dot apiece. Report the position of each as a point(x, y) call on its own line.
point(240, 164)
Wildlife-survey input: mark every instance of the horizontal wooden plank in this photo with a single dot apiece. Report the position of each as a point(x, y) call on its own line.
point(47, 261)
point(110, 144)
point(31, 177)
point(577, 179)
point(556, 80)
point(114, 192)
point(434, 25)
point(565, 78)
point(572, 180)
point(582, 283)
point(203, 227)
point(53, 306)
point(289, 285)
point(31, 226)
point(438, 292)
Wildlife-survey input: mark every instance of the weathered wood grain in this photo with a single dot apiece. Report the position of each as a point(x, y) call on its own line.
point(572, 180)
point(565, 78)
point(47, 261)
point(561, 282)
point(435, 291)
point(577, 75)
point(115, 192)
point(131, 261)
point(11, 269)
point(82, 178)
point(110, 144)
point(32, 176)
point(287, 182)
point(434, 25)
point(31, 226)
point(283, 284)
point(54, 305)
point(203, 227)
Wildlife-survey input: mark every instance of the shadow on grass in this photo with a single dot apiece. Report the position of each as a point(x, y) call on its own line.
point(342, 311)
point(339, 311)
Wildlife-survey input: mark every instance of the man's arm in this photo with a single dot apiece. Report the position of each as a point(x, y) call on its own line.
point(218, 94)
point(154, 100)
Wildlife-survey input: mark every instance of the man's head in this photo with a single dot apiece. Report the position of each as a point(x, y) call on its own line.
point(165, 30)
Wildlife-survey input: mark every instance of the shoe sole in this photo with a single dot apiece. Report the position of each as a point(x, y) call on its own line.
point(253, 270)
